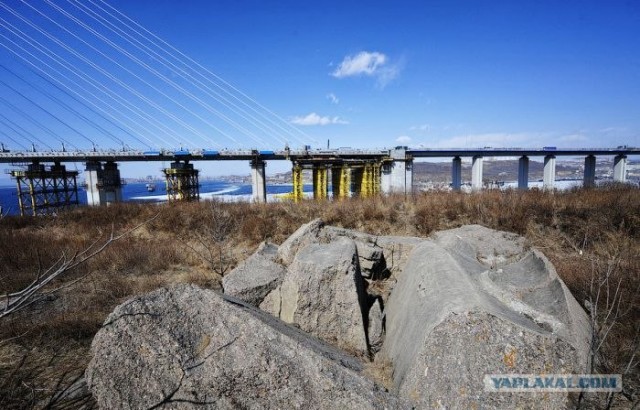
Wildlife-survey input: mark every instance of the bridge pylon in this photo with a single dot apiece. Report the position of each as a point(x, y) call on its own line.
point(44, 190)
point(341, 181)
point(182, 182)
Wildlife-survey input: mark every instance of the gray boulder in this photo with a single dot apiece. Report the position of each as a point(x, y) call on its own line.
point(305, 235)
point(185, 347)
point(473, 301)
point(375, 326)
point(256, 276)
point(323, 293)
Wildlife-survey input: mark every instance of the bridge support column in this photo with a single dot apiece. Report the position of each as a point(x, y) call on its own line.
point(476, 173)
point(296, 175)
point(103, 183)
point(182, 182)
point(370, 185)
point(589, 171)
point(549, 177)
point(456, 173)
point(620, 168)
point(43, 191)
point(397, 175)
point(320, 181)
point(258, 181)
point(523, 172)
point(341, 181)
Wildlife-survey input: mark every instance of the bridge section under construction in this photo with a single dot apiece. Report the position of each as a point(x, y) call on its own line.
point(44, 185)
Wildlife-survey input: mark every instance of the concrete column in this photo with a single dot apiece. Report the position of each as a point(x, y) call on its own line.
point(258, 181)
point(523, 172)
point(111, 183)
point(103, 182)
point(620, 168)
point(397, 176)
point(92, 174)
point(456, 173)
point(589, 171)
point(549, 178)
point(476, 173)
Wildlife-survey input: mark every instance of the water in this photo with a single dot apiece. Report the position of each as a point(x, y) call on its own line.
point(138, 192)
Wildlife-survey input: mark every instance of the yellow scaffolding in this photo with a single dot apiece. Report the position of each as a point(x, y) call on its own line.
point(320, 183)
point(376, 169)
point(296, 175)
point(341, 181)
point(182, 182)
point(366, 182)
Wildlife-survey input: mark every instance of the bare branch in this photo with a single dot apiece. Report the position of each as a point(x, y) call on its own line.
point(19, 300)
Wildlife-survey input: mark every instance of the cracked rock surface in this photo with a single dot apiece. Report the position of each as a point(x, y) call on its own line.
point(186, 347)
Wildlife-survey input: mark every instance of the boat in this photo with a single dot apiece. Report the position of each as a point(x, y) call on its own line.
point(151, 187)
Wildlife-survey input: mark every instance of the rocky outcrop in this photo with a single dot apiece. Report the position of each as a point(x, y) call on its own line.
point(323, 293)
point(185, 347)
point(304, 236)
point(472, 302)
point(438, 314)
point(256, 276)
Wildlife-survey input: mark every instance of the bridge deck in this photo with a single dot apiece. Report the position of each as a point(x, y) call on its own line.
point(231, 155)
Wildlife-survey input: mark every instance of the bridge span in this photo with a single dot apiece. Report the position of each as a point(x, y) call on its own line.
point(44, 184)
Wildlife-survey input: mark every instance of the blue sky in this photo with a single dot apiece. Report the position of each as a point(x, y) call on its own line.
point(478, 73)
point(423, 73)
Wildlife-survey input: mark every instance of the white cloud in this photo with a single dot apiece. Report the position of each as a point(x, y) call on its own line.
point(371, 64)
point(315, 119)
point(403, 139)
point(332, 97)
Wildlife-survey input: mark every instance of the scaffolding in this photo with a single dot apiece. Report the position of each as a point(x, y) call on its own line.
point(341, 181)
point(182, 182)
point(296, 174)
point(43, 190)
point(320, 182)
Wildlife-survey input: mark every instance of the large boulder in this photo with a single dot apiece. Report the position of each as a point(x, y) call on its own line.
point(185, 347)
point(305, 235)
point(256, 276)
point(472, 302)
point(323, 293)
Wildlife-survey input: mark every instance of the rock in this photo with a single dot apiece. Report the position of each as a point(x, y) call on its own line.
point(471, 302)
point(375, 326)
point(323, 293)
point(256, 276)
point(305, 235)
point(372, 263)
point(185, 347)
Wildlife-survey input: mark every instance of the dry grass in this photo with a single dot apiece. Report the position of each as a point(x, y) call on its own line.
point(583, 232)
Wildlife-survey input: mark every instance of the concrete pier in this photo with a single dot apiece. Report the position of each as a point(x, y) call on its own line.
point(258, 181)
point(397, 173)
point(589, 171)
point(549, 178)
point(523, 172)
point(476, 173)
point(456, 173)
point(620, 168)
point(104, 185)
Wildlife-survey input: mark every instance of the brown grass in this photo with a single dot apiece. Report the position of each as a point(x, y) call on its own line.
point(582, 232)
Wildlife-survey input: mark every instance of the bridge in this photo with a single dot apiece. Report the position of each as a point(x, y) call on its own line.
point(44, 184)
point(85, 77)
